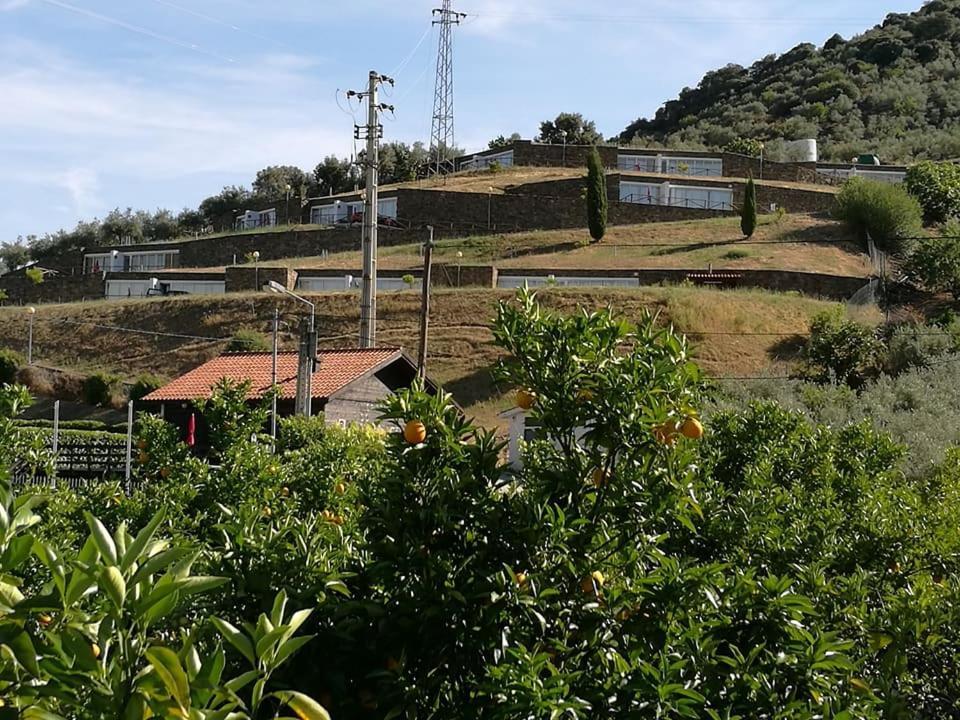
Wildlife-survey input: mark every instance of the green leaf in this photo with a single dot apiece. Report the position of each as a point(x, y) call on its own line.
point(241, 681)
point(35, 713)
point(236, 638)
point(113, 583)
point(167, 666)
point(289, 648)
point(200, 584)
point(105, 544)
point(305, 707)
point(19, 643)
point(139, 544)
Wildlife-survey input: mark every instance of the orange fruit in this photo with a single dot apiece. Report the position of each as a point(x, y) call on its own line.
point(44, 620)
point(666, 434)
point(526, 399)
point(284, 492)
point(141, 444)
point(522, 580)
point(165, 473)
point(267, 512)
point(415, 432)
point(585, 395)
point(600, 478)
point(592, 583)
point(95, 649)
point(692, 428)
point(393, 665)
point(143, 458)
point(340, 489)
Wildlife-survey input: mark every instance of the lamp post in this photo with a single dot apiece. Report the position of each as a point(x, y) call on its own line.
point(489, 207)
point(563, 134)
point(279, 289)
point(31, 312)
point(256, 268)
point(289, 188)
point(459, 262)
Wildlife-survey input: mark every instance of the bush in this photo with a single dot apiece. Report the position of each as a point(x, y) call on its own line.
point(10, 364)
point(251, 341)
point(937, 187)
point(917, 346)
point(751, 147)
point(934, 263)
point(98, 389)
point(298, 432)
point(884, 212)
point(34, 275)
point(840, 349)
point(144, 385)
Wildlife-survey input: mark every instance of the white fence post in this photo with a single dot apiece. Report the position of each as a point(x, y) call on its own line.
point(56, 427)
point(129, 467)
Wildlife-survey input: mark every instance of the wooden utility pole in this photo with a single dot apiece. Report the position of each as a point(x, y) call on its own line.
point(425, 305)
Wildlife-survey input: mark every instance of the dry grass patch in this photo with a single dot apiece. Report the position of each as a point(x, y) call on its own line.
point(794, 242)
point(461, 350)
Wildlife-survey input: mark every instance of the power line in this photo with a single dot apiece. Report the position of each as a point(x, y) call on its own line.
point(136, 29)
point(675, 20)
point(217, 21)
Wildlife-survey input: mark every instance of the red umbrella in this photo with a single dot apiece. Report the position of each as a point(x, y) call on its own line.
point(192, 430)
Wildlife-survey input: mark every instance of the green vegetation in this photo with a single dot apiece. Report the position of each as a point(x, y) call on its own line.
point(890, 91)
point(937, 187)
point(631, 567)
point(751, 147)
point(748, 213)
point(596, 196)
point(98, 389)
point(884, 212)
point(569, 129)
point(246, 340)
point(841, 350)
point(145, 384)
point(34, 275)
point(10, 364)
point(934, 263)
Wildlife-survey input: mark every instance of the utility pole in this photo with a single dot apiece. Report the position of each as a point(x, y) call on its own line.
point(372, 132)
point(442, 138)
point(425, 305)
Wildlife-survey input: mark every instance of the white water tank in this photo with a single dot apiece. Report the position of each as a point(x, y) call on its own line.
point(803, 151)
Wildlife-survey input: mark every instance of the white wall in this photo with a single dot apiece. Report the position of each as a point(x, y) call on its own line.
point(512, 282)
point(339, 284)
point(139, 288)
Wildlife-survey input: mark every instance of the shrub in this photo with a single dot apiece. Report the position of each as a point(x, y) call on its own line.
point(596, 196)
point(934, 263)
point(840, 349)
point(144, 385)
point(246, 340)
point(10, 364)
point(748, 214)
point(298, 432)
point(917, 346)
point(937, 187)
point(884, 212)
point(34, 275)
point(751, 147)
point(98, 389)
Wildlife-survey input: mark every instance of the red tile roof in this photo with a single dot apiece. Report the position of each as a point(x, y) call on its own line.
point(336, 370)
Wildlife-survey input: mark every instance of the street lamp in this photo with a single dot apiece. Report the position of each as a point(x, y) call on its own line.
point(256, 268)
point(489, 207)
point(288, 203)
point(275, 287)
point(563, 134)
point(459, 261)
point(31, 311)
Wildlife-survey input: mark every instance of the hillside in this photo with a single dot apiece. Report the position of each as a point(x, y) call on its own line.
point(794, 242)
point(894, 91)
point(461, 349)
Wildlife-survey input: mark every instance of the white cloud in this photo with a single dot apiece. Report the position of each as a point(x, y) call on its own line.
point(76, 134)
point(12, 4)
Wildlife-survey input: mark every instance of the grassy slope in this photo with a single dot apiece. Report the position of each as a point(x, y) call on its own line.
point(461, 350)
point(692, 244)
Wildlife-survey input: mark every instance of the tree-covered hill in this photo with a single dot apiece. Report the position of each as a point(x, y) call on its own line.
point(893, 91)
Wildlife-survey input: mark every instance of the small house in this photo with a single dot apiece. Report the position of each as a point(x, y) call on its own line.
point(348, 385)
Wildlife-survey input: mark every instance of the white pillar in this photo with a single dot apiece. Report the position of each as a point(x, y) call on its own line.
point(129, 466)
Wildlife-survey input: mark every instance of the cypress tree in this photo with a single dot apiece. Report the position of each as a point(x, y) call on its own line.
point(748, 215)
point(596, 196)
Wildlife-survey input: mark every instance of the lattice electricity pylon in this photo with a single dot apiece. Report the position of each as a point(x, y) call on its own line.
point(442, 134)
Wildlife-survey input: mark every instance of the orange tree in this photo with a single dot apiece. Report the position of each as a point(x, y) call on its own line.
point(579, 586)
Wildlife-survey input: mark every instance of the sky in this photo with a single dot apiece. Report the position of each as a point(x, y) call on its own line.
point(161, 103)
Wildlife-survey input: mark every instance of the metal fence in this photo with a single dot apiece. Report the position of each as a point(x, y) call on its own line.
point(80, 459)
point(641, 199)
